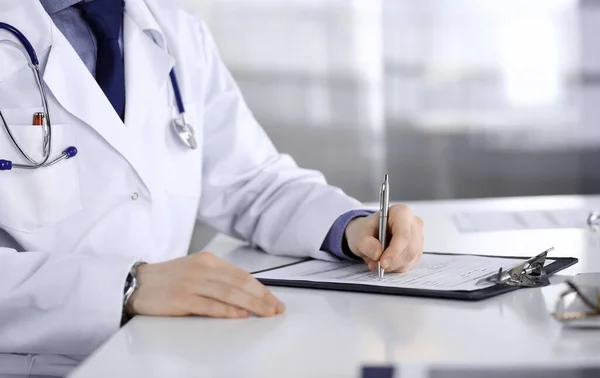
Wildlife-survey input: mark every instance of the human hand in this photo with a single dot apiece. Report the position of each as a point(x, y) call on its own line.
point(406, 244)
point(200, 284)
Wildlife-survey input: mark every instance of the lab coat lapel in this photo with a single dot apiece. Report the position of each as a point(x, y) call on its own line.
point(77, 91)
point(147, 105)
point(29, 17)
point(146, 71)
point(147, 68)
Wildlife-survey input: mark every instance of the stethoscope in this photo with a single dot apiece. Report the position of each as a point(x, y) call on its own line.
point(182, 129)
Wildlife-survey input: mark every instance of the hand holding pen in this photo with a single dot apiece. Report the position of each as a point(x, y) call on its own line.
point(395, 248)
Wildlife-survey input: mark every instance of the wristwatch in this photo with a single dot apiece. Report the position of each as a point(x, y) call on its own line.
point(130, 284)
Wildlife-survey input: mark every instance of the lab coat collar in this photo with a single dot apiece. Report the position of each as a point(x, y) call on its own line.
point(146, 70)
point(139, 12)
point(29, 17)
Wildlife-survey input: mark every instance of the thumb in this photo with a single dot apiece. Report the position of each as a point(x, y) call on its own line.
point(368, 247)
point(363, 244)
point(360, 235)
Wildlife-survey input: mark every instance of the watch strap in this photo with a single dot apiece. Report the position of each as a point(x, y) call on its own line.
point(131, 285)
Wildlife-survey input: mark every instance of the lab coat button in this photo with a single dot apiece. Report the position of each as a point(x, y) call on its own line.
point(135, 196)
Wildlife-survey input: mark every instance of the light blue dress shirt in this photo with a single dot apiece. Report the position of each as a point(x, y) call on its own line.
point(70, 22)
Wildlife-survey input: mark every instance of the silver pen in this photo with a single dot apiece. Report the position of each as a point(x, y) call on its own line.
point(384, 204)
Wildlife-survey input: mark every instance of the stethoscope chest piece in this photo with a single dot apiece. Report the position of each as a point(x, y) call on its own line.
point(185, 132)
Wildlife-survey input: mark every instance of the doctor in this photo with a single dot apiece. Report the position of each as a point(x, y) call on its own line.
point(94, 239)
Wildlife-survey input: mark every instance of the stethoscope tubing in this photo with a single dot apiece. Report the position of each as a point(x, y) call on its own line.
point(180, 125)
point(24, 41)
point(46, 126)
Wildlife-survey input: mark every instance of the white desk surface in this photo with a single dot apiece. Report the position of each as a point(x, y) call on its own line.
point(331, 334)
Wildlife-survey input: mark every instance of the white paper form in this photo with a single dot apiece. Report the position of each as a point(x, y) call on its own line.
point(523, 220)
point(432, 272)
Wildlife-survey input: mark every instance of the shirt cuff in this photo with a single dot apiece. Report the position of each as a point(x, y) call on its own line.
point(335, 241)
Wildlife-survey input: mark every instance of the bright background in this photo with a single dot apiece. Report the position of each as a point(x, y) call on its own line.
point(452, 98)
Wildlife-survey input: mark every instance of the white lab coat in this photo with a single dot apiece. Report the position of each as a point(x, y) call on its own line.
point(133, 191)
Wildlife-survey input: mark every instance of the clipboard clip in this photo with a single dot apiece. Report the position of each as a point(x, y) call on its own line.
point(529, 273)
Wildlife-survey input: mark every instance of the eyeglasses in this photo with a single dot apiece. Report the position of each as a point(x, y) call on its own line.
point(577, 302)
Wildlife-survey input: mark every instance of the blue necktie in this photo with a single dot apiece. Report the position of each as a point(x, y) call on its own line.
point(105, 18)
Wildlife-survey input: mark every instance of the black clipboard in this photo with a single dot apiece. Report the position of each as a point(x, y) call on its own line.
point(558, 264)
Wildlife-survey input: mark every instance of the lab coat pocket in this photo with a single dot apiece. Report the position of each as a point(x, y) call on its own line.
point(183, 168)
point(32, 199)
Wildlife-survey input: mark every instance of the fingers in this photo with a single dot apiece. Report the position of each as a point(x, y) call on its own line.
point(231, 295)
point(221, 271)
point(232, 285)
point(371, 264)
point(405, 260)
point(405, 247)
point(213, 308)
point(369, 247)
point(200, 284)
point(362, 238)
point(416, 251)
point(400, 221)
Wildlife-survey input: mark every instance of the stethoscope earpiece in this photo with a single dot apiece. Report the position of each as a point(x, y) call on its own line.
point(5, 165)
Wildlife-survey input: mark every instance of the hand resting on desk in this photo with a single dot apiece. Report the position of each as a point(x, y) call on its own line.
point(405, 248)
point(200, 284)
